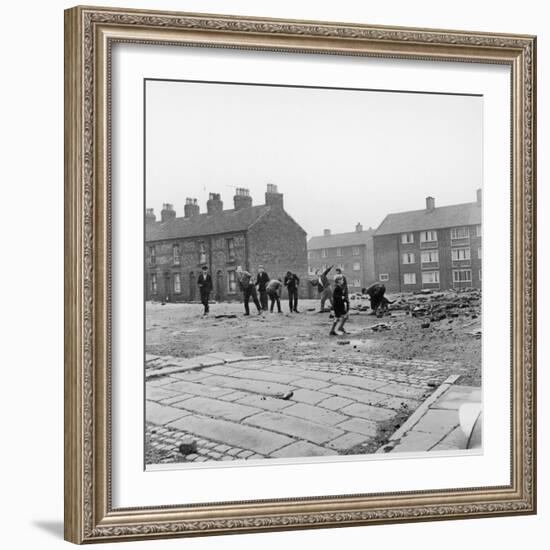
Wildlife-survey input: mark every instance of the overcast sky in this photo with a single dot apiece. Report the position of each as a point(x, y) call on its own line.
point(339, 156)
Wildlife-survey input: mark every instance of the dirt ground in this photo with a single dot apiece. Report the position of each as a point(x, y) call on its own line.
point(441, 327)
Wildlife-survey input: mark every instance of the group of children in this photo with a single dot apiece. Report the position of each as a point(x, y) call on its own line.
point(270, 289)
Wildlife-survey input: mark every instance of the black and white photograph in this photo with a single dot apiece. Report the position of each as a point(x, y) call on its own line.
point(313, 272)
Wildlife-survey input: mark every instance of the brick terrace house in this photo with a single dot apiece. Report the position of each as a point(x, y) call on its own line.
point(433, 248)
point(177, 247)
point(352, 252)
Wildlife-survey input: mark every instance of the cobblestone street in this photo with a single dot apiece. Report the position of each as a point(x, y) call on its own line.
point(343, 397)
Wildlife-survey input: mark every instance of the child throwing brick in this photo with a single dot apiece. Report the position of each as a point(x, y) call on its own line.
point(341, 306)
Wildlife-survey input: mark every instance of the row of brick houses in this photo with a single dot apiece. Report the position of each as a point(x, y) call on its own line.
point(432, 248)
point(176, 248)
point(352, 252)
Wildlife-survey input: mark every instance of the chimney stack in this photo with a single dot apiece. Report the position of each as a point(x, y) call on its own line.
point(167, 212)
point(273, 197)
point(359, 227)
point(191, 208)
point(214, 204)
point(430, 204)
point(478, 196)
point(150, 216)
point(242, 198)
point(326, 232)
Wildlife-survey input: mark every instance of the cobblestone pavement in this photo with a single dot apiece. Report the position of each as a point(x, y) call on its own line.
point(236, 408)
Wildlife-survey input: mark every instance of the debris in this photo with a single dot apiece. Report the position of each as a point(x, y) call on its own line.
point(286, 396)
point(343, 342)
point(432, 383)
point(380, 326)
point(225, 316)
point(276, 339)
point(188, 448)
point(425, 325)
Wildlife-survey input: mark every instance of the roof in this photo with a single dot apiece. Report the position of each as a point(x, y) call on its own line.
point(443, 216)
point(353, 238)
point(227, 221)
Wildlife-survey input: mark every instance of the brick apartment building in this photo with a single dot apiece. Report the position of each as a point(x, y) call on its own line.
point(433, 248)
point(177, 247)
point(352, 252)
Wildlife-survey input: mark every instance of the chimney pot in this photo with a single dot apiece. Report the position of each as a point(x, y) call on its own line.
point(214, 203)
point(150, 216)
point(242, 198)
point(359, 227)
point(430, 203)
point(191, 208)
point(326, 232)
point(478, 196)
point(273, 197)
point(167, 212)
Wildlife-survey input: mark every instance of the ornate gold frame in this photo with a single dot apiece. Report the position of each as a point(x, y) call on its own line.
point(89, 34)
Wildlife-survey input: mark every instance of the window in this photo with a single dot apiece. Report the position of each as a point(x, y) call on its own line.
point(458, 254)
point(355, 251)
point(356, 266)
point(384, 277)
point(430, 277)
point(428, 236)
point(341, 266)
point(339, 252)
point(324, 253)
point(479, 252)
point(478, 230)
point(177, 283)
point(310, 254)
point(230, 249)
point(462, 275)
point(408, 258)
point(152, 255)
point(429, 257)
point(231, 282)
point(357, 283)
point(407, 238)
point(153, 282)
point(460, 233)
point(409, 278)
point(202, 253)
point(176, 254)
point(311, 269)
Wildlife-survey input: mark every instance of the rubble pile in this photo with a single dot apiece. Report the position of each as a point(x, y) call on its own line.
point(436, 306)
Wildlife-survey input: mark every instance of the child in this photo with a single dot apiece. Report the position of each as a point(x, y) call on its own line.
point(341, 306)
point(274, 293)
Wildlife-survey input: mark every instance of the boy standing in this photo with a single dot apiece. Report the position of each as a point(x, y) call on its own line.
point(292, 283)
point(205, 286)
point(341, 306)
point(249, 290)
point(262, 278)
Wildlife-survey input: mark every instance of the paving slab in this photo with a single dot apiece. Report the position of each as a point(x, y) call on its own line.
point(456, 396)
point(208, 390)
point(264, 375)
point(265, 402)
point(308, 396)
point(157, 393)
point(377, 414)
point(334, 403)
point(362, 382)
point(347, 441)
point(400, 390)
point(311, 383)
point(438, 421)
point(302, 449)
point(361, 426)
point(162, 414)
point(236, 435)
point(315, 414)
point(363, 396)
point(417, 442)
point(295, 427)
point(216, 408)
point(254, 386)
point(454, 440)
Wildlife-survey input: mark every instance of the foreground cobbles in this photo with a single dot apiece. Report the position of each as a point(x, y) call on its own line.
point(250, 409)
